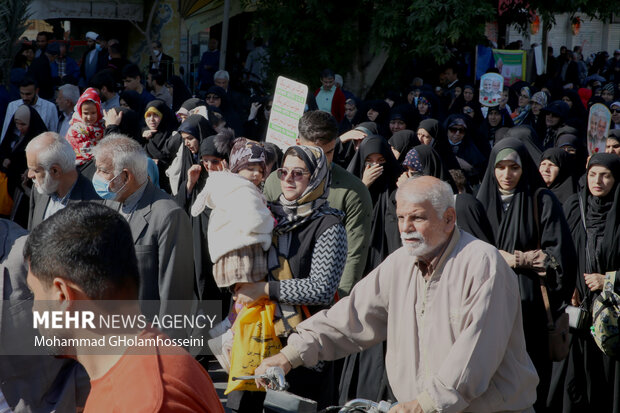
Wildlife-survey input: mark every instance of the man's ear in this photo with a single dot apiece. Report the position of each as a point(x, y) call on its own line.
point(65, 292)
point(55, 171)
point(297, 141)
point(449, 218)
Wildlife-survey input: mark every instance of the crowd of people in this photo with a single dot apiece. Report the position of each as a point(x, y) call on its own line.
point(403, 239)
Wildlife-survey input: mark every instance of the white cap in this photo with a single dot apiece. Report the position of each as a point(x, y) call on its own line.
point(338, 80)
point(92, 35)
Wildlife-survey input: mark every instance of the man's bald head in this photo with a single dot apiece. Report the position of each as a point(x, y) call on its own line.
point(427, 188)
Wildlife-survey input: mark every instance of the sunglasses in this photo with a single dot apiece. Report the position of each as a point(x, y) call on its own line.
point(457, 130)
point(615, 111)
point(213, 97)
point(296, 173)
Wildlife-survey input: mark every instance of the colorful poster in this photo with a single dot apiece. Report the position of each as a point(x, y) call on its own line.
point(598, 128)
point(491, 87)
point(289, 102)
point(511, 65)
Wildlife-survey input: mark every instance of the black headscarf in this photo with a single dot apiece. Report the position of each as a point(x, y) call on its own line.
point(468, 152)
point(218, 145)
point(383, 118)
point(192, 103)
point(581, 155)
point(130, 125)
point(439, 144)
point(565, 184)
point(472, 217)
point(132, 98)
point(487, 132)
point(180, 92)
point(197, 126)
point(526, 135)
point(391, 168)
point(155, 146)
point(598, 244)
point(344, 152)
point(226, 108)
point(433, 166)
point(519, 228)
point(515, 228)
point(14, 147)
point(403, 141)
point(406, 114)
point(385, 237)
point(435, 111)
point(602, 213)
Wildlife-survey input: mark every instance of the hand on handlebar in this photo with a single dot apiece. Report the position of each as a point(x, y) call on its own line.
point(279, 360)
point(409, 407)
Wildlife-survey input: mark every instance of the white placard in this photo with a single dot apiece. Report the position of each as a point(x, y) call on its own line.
point(491, 87)
point(289, 103)
point(598, 128)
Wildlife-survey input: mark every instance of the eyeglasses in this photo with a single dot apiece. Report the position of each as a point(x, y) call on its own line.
point(457, 130)
point(296, 173)
point(213, 97)
point(525, 96)
point(468, 110)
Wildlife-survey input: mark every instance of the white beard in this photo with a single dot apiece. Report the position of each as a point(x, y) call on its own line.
point(418, 248)
point(48, 187)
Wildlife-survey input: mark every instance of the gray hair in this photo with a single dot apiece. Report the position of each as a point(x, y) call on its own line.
point(439, 194)
point(59, 152)
point(126, 153)
point(221, 74)
point(70, 92)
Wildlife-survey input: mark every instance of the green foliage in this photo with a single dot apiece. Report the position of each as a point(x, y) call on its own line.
point(13, 16)
point(310, 35)
point(520, 14)
point(307, 36)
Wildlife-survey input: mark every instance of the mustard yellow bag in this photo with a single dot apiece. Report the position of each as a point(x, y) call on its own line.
point(254, 340)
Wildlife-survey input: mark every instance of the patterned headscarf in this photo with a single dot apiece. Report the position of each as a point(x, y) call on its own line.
point(522, 112)
point(412, 160)
point(82, 137)
point(313, 201)
point(246, 152)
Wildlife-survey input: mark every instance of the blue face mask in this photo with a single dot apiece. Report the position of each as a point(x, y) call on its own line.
point(102, 187)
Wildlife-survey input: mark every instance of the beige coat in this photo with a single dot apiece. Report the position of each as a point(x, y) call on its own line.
point(454, 343)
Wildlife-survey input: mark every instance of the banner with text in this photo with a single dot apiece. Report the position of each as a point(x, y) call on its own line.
point(289, 103)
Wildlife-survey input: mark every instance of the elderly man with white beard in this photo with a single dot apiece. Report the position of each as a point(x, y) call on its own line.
point(56, 181)
point(448, 306)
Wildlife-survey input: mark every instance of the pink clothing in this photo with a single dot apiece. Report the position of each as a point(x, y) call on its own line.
point(455, 343)
point(82, 137)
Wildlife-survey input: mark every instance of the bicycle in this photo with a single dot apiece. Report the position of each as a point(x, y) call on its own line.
point(278, 400)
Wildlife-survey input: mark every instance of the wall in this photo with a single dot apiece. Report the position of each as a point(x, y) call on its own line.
point(165, 28)
point(594, 36)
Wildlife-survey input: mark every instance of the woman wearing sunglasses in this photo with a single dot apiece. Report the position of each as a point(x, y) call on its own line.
point(305, 262)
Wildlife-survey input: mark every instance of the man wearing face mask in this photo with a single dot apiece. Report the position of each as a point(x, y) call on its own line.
point(161, 230)
point(161, 61)
point(91, 60)
point(51, 166)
